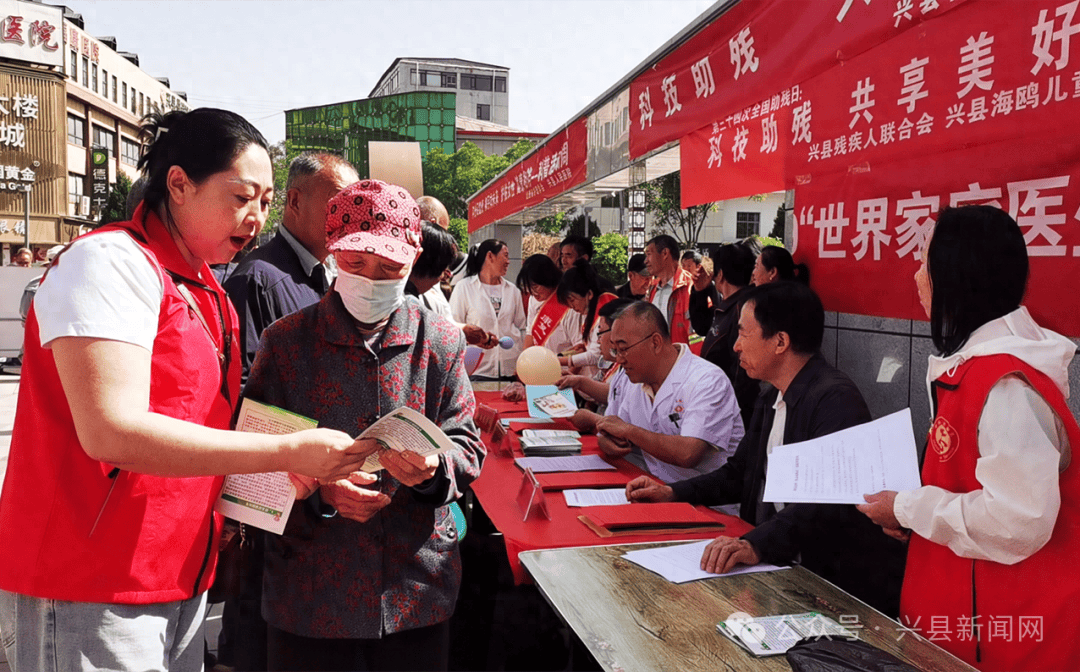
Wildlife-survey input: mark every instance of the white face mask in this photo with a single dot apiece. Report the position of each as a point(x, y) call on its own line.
point(370, 301)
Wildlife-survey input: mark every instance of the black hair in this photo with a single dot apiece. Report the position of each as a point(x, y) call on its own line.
point(665, 242)
point(612, 309)
point(438, 251)
point(202, 142)
point(790, 307)
point(736, 261)
point(479, 253)
point(775, 258)
point(538, 270)
point(636, 263)
point(692, 254)
point(978, 266)
point(648, 313)
point(581, 278)
point(583, 246)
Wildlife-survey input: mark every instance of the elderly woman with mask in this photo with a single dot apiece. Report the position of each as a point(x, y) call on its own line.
point(373, 586)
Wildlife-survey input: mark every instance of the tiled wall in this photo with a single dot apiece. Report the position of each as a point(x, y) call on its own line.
point(887, 359)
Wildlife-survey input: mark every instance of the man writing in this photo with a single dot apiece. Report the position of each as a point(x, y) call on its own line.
point(678, 409)
point(780, 331)
point(670, 291)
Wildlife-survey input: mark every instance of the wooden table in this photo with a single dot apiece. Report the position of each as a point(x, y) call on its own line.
point(631, 619)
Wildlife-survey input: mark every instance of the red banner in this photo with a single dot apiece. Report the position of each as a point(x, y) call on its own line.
point(750, 54)
point(558, 165)
point(980, 106)
point(862, 233)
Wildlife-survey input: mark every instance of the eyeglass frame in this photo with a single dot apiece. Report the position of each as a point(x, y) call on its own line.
point(617, 352)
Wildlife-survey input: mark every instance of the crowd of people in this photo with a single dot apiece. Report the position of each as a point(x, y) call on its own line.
point(137, 358)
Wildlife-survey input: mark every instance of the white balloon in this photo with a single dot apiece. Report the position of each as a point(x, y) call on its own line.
point(538, 366)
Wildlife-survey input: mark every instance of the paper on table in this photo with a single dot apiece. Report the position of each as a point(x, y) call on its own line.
point(842, 467)
point(548, 401)
point(262, 500)
point(681, 563)
point(595, 497)
point(543, 465)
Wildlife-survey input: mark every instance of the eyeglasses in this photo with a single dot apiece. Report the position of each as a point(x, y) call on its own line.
point(601, 332)
point(621, 352)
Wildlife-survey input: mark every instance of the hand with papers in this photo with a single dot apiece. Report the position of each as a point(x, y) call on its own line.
point(410, 468)
point(724, 553)
point(879, 508)
point(645, 489)
point(352, 500)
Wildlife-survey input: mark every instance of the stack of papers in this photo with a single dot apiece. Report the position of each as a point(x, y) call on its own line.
point(774, 635)
point(595, 497)
point(543, 465)
point(681, 563)
point(841, 467)
point(550, 442)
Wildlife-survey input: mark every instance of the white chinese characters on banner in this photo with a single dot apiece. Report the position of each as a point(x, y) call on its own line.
point(1035, 204)
point(741, 48)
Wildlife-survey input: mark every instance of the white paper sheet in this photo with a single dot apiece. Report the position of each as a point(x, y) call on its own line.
point(546, 465)
point(681, 563)
point(595, 496)
point(842, 467)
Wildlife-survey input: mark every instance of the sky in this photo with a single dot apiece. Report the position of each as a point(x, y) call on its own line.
point(259, 58)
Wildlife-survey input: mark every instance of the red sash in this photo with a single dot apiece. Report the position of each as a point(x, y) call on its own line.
point(549, 315)
point(609, 372)
point(604, 298)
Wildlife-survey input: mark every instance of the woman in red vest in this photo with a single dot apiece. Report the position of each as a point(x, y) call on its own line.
point(121, 434)
point(580, 289)
point(995, 530)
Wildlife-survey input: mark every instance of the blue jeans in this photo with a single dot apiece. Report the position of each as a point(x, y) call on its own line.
point(57, 636)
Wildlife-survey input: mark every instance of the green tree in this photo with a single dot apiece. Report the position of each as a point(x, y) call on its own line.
point(663, 203)
point(281, 153)
point(459, 229)
point(778, 224)
point(452, 178)
point(582, 225)
point(115, 209)
point(610, 256)
point(549, 226)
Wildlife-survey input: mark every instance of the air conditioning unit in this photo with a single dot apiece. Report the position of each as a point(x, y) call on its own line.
point(84, 206)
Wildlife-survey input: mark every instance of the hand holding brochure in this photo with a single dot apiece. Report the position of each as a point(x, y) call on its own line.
point(405, 429)
point(841, 467)
point(262, 500)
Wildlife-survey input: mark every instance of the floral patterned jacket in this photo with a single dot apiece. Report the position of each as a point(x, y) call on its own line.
point(331, 577)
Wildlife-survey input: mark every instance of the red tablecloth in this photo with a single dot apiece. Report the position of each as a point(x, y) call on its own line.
point(497, 489)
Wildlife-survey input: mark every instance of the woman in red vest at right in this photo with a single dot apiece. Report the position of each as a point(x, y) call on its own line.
point(995, 530)
point(121, 436)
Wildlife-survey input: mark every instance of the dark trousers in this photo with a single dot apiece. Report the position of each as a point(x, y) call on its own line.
point(416, 650)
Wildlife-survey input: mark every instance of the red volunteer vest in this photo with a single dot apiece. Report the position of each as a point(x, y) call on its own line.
point(1025, 612)
point(73, 528)
point(549, 316)
point(680, 300)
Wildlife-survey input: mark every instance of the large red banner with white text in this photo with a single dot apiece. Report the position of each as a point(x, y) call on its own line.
point(559, 164)
point(978, 105)
point(755, 49)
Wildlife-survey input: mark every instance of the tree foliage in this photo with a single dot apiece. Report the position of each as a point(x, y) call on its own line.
point(663, 203)
point(459, 229)
point(452, 178)
point(582, 225)
point(281, 153)
point(115, 209)
point(609, 256)
point(778, 224)
point(549, 226)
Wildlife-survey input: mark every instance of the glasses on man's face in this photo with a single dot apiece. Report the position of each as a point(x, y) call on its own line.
point(617, 352)
point(601, 332)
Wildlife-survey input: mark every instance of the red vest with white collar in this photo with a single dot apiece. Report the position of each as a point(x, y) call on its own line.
point(73, 528)
point(678, 302)
point(944, 594)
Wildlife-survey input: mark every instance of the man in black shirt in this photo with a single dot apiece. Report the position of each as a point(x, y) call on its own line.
point(780, 331)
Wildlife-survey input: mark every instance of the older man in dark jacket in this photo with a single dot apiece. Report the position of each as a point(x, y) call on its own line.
point(780, 331)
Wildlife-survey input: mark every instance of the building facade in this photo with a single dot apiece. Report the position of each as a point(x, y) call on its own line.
point(63, 94)
point(482, 89)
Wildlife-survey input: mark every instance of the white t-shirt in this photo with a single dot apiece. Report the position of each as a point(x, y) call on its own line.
point(696, 399)
point(495, 295)
point(103, 286)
